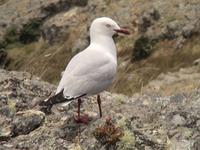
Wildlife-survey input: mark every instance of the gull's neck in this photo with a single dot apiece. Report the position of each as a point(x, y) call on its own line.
point(106, 42)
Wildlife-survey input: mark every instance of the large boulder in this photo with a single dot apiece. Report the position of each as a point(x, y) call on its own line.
point(149, 120)
point(26, 121)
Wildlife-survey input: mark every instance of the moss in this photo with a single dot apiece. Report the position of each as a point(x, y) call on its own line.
point(170, 18)
point(121, 122)
point(119, 99)
point(11, 105)
point(127, 141)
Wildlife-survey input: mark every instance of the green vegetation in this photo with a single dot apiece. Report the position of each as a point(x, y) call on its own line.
point(127, 141)
point(28, 34)
point(170, 18)
point(11, 35)
point(135, 76)
point(143, 48)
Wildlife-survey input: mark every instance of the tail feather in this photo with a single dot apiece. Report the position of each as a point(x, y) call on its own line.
point(47, 104)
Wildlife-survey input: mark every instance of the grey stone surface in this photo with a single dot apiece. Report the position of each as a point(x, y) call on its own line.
point(144, 121)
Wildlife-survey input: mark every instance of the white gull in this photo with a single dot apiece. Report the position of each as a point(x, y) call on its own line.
point(92, 70)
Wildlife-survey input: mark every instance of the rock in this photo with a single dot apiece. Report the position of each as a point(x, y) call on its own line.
point(26, 121)
point(49, 34)
point(154, 13)
point(59, 6)
point(144, 121)
point(170, 31)
point(147, 19)
point(178, 120)
point(144, 23)
point(42, 10)
point(5, 134)
point(188, 30)
point(180, 42)
point(7, 111)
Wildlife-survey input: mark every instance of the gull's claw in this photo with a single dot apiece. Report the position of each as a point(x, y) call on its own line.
point(82, 119)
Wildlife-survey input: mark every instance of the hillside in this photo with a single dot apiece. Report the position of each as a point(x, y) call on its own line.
point(150, 120)
point(41, 36)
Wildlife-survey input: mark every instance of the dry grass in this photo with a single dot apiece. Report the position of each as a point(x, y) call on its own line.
point(134, 76)
point(47, 62)
point(39, 59)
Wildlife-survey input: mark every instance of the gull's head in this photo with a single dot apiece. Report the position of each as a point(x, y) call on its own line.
point(106, 26)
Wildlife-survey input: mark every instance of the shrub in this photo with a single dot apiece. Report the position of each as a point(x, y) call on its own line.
point(143, 47)
point(11, 35)
point(30, 32)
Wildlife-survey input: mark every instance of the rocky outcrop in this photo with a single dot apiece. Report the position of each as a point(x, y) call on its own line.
point(26, 121)
point(144, 121)
point(185, 80)
point(175, 27)
point(19, 13)
point(147, 19)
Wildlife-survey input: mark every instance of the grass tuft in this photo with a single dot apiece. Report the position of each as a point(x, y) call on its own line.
point(143, 47)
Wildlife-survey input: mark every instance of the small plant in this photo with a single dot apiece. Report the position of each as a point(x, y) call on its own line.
point(143, 47)
point(127, 141)
point(108, 133)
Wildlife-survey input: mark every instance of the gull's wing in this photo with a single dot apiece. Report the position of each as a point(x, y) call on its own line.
point(89, 72)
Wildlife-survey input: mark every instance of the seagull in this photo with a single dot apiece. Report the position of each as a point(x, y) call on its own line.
point(92, 70)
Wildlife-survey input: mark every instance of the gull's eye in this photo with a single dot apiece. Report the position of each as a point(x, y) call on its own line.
point(108, 25)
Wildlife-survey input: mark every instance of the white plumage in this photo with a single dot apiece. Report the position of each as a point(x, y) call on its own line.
point(92, 70)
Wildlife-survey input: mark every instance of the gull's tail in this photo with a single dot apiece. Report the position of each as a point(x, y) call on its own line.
point(47, 104)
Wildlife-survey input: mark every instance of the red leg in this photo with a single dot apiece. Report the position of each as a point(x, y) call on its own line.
point(99, 104)
point(81, 118)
